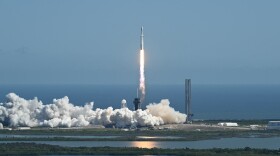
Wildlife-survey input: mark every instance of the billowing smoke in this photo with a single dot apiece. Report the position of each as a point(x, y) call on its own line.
point(166, 113)
point(18, 111)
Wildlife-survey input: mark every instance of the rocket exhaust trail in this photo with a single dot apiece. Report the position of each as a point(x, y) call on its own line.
point(142, 68)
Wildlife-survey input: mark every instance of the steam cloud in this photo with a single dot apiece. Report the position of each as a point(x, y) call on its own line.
point(18, 111)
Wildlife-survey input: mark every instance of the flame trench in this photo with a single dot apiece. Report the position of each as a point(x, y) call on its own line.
point(142, 76)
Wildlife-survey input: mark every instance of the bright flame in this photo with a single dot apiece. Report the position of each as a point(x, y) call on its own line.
point(142, 75)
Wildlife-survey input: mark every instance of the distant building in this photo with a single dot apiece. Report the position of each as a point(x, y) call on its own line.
point(23, 128)
point(228, 124)
point(273, 125)
point(255, 127)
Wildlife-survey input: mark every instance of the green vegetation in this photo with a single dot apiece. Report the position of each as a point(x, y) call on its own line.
point(131, 135)
point(43, 149)
point(179, 135)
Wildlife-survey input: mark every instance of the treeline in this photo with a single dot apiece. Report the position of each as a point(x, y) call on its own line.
point(44, 149)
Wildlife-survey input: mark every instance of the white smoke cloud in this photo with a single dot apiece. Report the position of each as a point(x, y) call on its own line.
point(61, 113)
point(166, 113)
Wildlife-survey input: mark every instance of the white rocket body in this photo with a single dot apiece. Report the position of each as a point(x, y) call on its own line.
point(142, 39)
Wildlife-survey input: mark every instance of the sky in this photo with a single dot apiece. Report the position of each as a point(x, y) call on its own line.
point(97, 41)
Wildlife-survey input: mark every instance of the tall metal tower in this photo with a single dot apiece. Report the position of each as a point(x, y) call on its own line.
point(137, 102)
point(188, 99)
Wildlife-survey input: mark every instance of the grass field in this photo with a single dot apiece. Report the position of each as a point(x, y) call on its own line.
point(200, 130)
point(43, 149)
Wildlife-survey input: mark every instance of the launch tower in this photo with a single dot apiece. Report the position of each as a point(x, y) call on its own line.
point(188, 99)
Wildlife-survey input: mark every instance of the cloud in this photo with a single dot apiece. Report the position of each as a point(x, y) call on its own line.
point(18, 51)
point(21, 50)
point(61, 113)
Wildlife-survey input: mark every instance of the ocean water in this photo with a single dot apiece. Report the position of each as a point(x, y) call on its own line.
point(208, 101)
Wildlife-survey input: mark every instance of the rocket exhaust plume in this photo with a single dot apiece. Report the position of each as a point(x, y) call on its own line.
point(142, 68)
point(17, 111)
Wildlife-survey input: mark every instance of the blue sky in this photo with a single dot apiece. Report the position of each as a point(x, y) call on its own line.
point(97, 42)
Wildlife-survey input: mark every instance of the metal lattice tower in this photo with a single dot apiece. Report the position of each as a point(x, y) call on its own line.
point(188, 99)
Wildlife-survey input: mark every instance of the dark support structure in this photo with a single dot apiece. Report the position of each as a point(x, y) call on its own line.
point(188, 99)
point(137, 103)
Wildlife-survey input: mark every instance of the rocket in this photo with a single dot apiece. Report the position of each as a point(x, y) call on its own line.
point(142, 39)
point(142, 72)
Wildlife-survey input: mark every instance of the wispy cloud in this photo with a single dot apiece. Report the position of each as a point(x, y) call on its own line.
point(22, 50)
point(18, 51)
